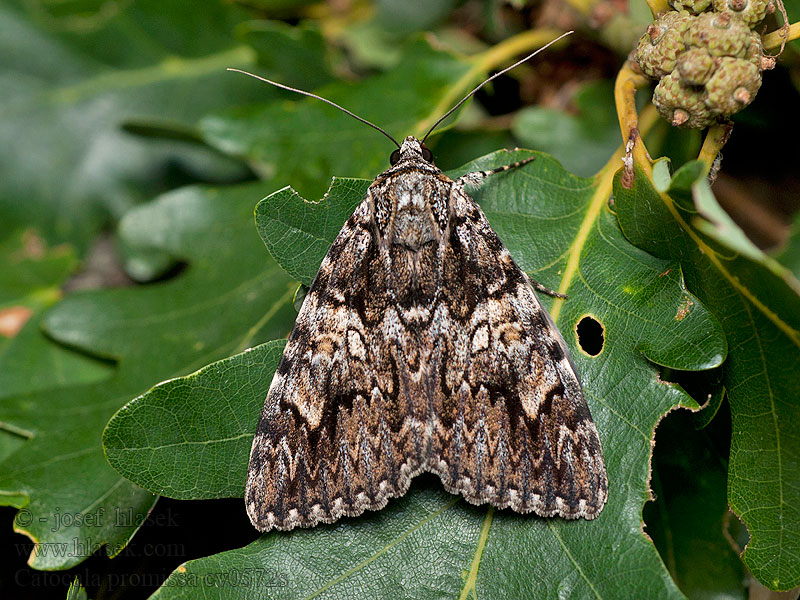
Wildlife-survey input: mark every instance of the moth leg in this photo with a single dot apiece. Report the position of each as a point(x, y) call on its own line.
point(546, 290)
point(476, 177)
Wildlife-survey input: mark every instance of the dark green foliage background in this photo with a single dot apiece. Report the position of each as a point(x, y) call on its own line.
point(120, 122)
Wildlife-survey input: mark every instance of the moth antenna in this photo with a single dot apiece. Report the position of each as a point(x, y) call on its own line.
point(516, 64)
point(304, 93)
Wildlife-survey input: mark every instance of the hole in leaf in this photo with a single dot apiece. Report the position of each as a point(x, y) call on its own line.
point(591, 335)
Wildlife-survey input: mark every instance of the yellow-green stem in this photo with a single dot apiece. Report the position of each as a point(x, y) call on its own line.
point(625, 98)
point(773, 40)
point(712, 145)
point(657, 6)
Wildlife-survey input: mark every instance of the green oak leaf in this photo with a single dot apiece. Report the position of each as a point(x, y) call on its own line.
point(231, 296)
point(31, 275)
point(756, 302)
point(186, 437)
point(430, 543)
point(74, 74)
point(303, 54)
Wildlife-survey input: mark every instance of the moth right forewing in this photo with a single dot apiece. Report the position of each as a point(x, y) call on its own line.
point(514, 428)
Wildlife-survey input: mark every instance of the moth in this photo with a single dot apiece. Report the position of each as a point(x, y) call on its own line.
point(421, 346)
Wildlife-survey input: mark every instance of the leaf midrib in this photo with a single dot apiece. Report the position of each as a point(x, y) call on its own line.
point(604, 184)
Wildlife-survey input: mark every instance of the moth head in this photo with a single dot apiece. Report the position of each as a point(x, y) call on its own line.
point(411, 149)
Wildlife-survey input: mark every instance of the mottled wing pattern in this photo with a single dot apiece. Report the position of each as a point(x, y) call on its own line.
point(421, 346)
point(330, 441)
point(512, 427)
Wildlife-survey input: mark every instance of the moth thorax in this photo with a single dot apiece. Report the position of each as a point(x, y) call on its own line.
point(414, 228)
point(416, 200)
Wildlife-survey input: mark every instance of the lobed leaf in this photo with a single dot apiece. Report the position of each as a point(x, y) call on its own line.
point(689, 519)
point(430, 543)
point(230, 297)
point(186, 437)
point(757, 304)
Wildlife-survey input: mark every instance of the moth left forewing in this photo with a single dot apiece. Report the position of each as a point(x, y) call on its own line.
point(513, 427)
point(338, 433)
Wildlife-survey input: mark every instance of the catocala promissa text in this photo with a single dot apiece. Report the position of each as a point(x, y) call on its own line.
point(421, 346)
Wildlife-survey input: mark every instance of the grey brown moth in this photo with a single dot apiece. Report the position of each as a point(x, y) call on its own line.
point(421, 346)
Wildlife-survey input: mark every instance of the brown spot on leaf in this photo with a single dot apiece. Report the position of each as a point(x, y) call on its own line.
point(684, 309)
